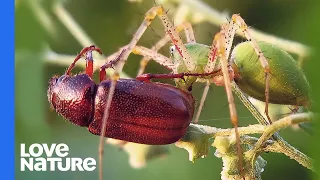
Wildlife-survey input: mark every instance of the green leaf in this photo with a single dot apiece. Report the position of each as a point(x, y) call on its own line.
point(195, 141)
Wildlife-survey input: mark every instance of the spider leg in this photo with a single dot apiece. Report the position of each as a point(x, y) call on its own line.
point(238, 23)
point(170, 30)
point(162, 42)
point(220, 46)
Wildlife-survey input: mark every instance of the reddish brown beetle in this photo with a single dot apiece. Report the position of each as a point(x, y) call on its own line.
point(141, 111)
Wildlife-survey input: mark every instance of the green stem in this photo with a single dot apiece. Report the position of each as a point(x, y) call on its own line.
point(284, 147)
point(281, 124)
point(248, 104)
point(73, 27)
point(295, 154)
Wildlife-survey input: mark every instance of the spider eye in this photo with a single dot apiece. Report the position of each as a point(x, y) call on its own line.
point(172, 48)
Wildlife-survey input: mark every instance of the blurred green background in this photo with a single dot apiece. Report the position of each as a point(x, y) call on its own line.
point(111, 24)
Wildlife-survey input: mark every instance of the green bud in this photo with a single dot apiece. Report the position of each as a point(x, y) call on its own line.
point(227, 151)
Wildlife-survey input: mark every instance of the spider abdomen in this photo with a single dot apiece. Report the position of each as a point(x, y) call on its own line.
point(288, 84)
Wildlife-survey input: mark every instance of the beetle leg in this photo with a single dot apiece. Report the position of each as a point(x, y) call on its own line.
point(89, 65)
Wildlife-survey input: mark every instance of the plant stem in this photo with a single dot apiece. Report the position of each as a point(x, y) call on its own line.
point(43, 17)
point(68, 21)
point(278, 144)
point(281, 124)
point(285, 147)
point(248, 104)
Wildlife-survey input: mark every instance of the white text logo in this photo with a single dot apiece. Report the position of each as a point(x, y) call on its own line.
point(31, 160)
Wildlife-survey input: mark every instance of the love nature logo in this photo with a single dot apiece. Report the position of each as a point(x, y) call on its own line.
point(31, 159)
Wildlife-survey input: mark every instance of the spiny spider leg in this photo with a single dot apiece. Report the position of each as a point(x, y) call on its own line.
point(203, 98)
point(152, 54)
point(238, 23)
point(170, 30)
point(145, 60)
point(220, 48)
point(113, 79)
point(210, 66)
point(109, 64)
point(143, 51)
point(189, 33)
point(89, 68)
point(162, 42)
